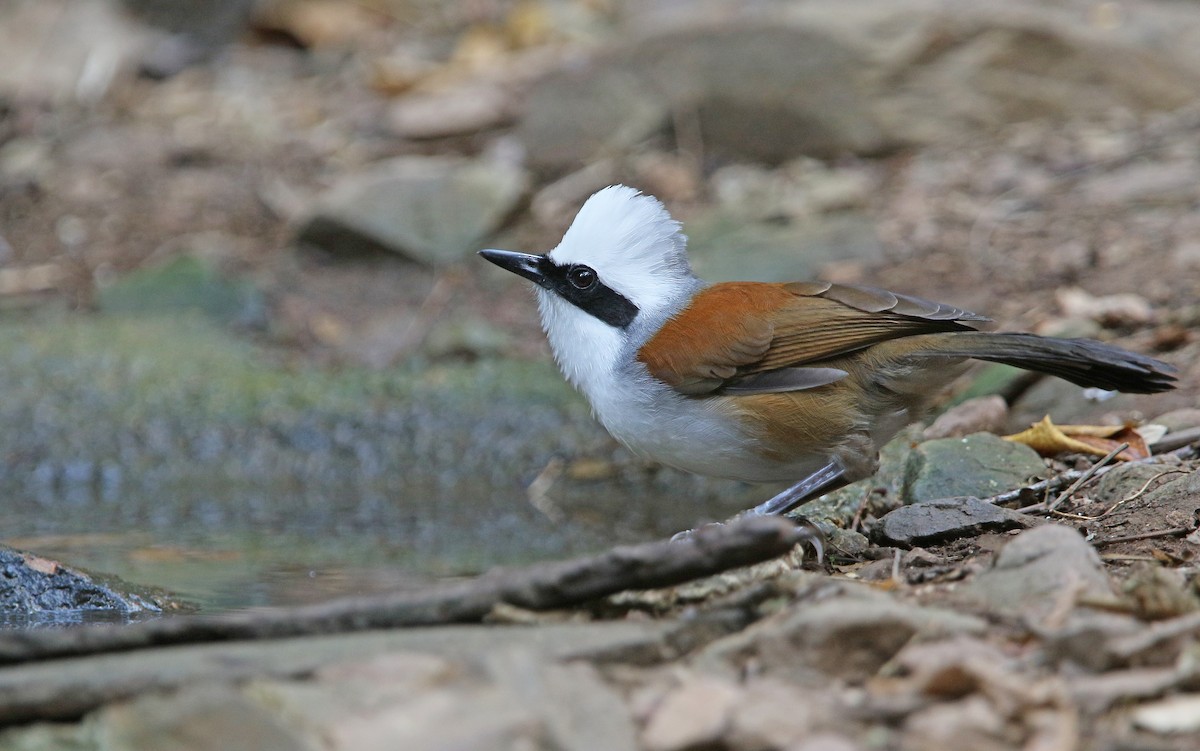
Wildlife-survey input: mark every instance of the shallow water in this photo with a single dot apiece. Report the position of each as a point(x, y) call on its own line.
point(239, 546)
point(173, 454)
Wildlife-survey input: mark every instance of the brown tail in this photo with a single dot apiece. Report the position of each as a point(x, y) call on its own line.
point(1081, 361)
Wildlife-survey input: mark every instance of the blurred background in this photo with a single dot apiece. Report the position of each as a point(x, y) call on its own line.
point(247, 352)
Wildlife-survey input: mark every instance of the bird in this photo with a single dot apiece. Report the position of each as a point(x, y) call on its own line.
point(800, 382)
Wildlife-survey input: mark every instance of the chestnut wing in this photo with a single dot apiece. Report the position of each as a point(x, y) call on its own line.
point(750, 337)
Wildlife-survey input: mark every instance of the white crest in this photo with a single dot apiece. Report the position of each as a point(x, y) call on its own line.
point(632, 243)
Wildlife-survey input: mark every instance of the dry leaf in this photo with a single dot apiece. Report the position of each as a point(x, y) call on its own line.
point(1049, 439)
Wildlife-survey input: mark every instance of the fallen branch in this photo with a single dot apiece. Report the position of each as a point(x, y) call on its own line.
point(1088, 474)
point(547, 586)
point(1172, 532)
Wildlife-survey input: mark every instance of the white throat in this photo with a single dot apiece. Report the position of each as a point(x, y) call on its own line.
point(586, 349)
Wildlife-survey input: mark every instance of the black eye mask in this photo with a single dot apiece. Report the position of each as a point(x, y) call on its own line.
point(576, 283)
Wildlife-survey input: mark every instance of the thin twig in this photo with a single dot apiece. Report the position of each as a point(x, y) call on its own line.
point(1040, 487)
point(1088, 474)
point(1172, 532)
point(1131, 497)
point(1064, 479)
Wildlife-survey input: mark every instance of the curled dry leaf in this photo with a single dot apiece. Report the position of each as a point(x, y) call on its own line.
point(1049, 439)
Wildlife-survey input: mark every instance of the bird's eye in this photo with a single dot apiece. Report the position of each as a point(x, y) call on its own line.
point(581, 277)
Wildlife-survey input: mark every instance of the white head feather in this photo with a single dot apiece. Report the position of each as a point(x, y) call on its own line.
point(632, 243)
point(638, 250)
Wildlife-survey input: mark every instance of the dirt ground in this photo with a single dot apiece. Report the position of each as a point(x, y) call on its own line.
point(221, 159)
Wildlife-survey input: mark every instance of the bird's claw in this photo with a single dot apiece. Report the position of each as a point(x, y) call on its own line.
point(807, 532)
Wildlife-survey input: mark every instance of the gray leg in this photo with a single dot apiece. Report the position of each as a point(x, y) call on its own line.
point(827, 478)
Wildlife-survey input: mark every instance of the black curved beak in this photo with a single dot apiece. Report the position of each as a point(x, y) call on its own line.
point(531, 267)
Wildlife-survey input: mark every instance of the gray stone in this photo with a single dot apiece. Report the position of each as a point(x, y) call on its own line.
point(698, 78)
point(694, 715)
point(860, 78)
point(725, 247)
point(64, 51)
point(510, 697)
point(932, 522)
point(1173, 504)
point(580, 114)
point(1179, 419)
point(1150, 183)
point(982, 414)
point(467, 109)
point(977, 465)
point(75, 686)
point(431, 209)
point(35, 589)
point(848, 637)
point(579, 710)
point(405, 700)
point(774, 714)
point(1067, 403)
point(209, 717)
point(1040, 572)
point(1124, 480)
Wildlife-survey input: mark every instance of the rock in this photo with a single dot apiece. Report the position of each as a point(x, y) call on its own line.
point(1123, 481)
point(1186, 255)
point(725, 247)
point(1127, 309)
point(1041, 572)
point(933, 522)
point(508, 698)
point(971, 722)
point(826, 742)
point(860, 79)
point(64, 52)
point(848, 638)
point(450, 113)
point(79, 685)
point(812, 106)
point(578, 709)
point(207, 717)
point(1156, 593)
point(1068, 404)
point(771, 713)
point(35, 589)
point(801, 188)
point(983, 414)
point(977, 465)
point(1083, 638)
point(1144, 182)
point(1179, 420)
point(185, 284)
point(195, 31)
point(431, 209)
point(1173, 504)
point(694, 715)
point(580, 114)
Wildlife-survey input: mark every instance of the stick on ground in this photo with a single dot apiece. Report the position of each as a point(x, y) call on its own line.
point(546, 586)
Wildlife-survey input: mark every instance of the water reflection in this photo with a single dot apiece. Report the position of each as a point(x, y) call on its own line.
point(228, 546)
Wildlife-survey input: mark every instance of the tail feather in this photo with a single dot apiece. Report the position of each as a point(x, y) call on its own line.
point(1081, 361)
